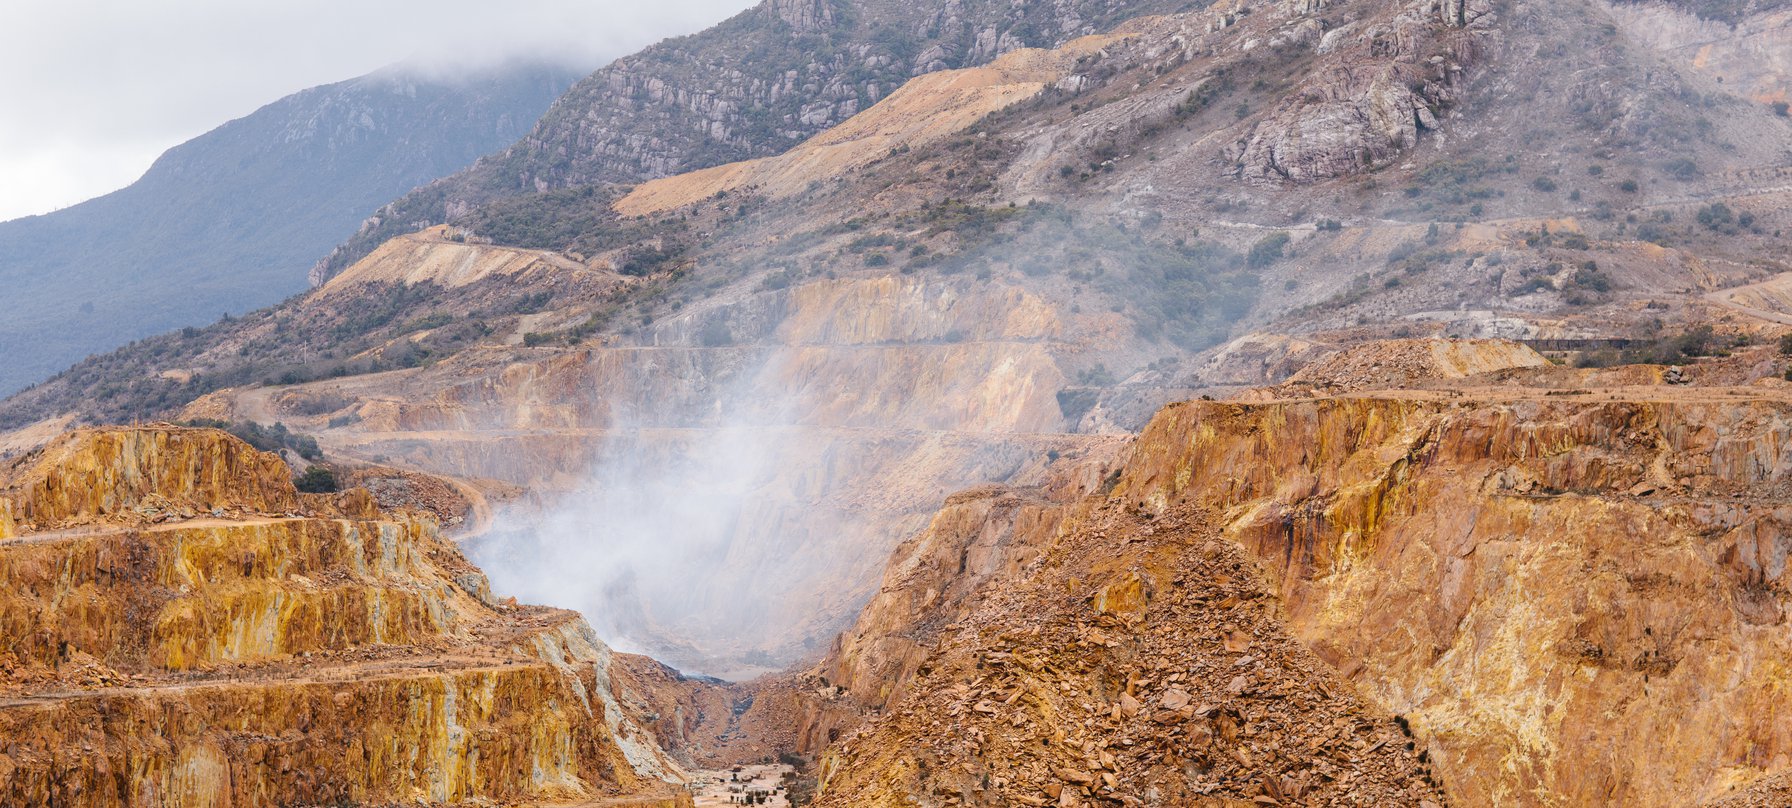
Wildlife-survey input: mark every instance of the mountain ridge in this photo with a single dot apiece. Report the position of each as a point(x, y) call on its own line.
point(230, 220)
point(752, 86)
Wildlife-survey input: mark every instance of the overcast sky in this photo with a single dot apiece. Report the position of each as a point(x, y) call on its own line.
point(91, 91)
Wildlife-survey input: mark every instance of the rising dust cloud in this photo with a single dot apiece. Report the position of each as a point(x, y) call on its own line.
point(646, 546)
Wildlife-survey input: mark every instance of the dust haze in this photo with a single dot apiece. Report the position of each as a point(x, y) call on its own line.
point(646, 545)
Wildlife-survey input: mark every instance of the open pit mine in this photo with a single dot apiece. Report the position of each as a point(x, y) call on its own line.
point(1523, 585)
point(928, 404)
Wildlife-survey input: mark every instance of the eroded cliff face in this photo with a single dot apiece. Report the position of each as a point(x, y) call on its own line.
point(1576, 599)
point(1749, 56)
point(1091, 655)
point(185, 629)
point(139, 475)
point(1567, 598)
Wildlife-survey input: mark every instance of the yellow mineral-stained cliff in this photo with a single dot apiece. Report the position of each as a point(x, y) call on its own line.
point(1570, 598)
point(1574, 600)
point(138, 475)
point(183, 628)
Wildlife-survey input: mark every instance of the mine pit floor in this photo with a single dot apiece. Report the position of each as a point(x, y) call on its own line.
point(715, 788)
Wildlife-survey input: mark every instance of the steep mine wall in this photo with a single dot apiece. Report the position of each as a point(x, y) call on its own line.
point(195, 632)
point(1575, 601)
point(437, 736)
point(858, 403)
point(185, 597)
point(1567, 598)
point(127, 473)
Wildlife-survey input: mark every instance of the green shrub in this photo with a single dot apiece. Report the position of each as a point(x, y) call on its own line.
point(1681, 169)
point(264, 438)
point(317, 480)
point(1718, 217)
point(1268, 250)
point(1591, 278)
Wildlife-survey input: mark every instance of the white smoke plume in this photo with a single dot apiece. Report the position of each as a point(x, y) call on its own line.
point(645, 547)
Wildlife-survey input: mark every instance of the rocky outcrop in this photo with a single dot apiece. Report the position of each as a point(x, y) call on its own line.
point(1574, 601)
point(120, 474)
point(194, 632)
point(804, 15)
point(751, 87)
point(920, 113)
point(1385, 82)
point(1567, 598)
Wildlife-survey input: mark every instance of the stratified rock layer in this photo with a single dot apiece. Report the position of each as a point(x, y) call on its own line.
point(195, 632)
point(1568, 598)
point(1112, 658)
point(1575, 600)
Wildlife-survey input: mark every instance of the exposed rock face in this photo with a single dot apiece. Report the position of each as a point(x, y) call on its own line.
point(805, 15)
point(1575, 602)
point(1389, 78)
point(280, 648)
point(1091, 656)
point(750, 87)
point(917, 115)
point(124, 475)
point(1570, 599)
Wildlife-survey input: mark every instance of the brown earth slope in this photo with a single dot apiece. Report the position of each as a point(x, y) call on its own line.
point(1133, 660)
point(1570, 597)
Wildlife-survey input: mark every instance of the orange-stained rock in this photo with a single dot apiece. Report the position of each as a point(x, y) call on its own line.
point(1570, 598)
point(119, 473)
point(508, 732)
point(1104, 669)
point(185, 596)
point(195, 632)
point(1575, 601)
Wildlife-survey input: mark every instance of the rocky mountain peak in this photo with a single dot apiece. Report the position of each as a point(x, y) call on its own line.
point(805, 15)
